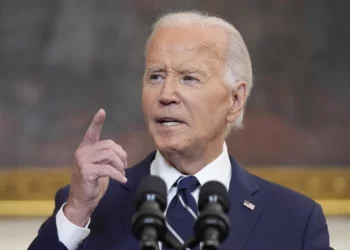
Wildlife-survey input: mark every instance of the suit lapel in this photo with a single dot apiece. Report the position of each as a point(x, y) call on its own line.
point(243, 194)
point(126, 203)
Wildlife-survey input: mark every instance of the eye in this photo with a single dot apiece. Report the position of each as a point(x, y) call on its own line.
point(189, 79)
point(156, 78)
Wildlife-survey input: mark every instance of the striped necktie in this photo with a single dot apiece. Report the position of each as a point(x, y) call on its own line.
point(182, 211)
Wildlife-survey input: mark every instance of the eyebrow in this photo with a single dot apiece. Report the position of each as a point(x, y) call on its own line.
point(155, 69)
point(191, 71)
point(181, 70)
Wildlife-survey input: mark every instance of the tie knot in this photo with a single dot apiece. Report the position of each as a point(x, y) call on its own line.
point(189, 183)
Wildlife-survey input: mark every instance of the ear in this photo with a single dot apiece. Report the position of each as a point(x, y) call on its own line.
point(238, 101)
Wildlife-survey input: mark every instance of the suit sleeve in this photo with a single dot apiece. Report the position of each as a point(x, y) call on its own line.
point(47, 237)
point(316, 235)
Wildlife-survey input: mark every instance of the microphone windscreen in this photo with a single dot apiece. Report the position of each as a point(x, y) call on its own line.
point(213, 191)
point(152, 185)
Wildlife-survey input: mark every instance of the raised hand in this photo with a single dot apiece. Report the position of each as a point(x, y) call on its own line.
point(95, 162)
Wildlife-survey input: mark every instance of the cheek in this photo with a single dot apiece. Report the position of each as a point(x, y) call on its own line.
point(146, 105)
point(147, 99)
point(200, 113)
point(149, 104)
point(212, 114)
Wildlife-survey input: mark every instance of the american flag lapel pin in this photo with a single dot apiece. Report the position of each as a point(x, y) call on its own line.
point(249, 205)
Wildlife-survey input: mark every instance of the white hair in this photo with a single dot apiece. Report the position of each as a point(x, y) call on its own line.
point(237, 66)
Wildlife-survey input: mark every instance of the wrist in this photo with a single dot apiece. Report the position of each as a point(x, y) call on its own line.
point(78, 215)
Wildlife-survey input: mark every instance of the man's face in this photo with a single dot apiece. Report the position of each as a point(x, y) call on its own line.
point(186, 102)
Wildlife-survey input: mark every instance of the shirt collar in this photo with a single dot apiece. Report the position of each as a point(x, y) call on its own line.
point(218, 170)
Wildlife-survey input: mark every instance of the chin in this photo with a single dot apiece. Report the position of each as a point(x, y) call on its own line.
point(171, 145)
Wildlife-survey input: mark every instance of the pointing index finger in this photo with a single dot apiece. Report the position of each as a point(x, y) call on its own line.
point(93, 132)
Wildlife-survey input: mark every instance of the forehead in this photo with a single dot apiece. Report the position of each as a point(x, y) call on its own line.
point(193, 44)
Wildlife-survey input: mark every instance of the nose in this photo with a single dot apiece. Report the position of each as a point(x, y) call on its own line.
point(169, 93)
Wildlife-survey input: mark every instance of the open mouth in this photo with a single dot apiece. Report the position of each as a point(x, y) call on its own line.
point(169, 122)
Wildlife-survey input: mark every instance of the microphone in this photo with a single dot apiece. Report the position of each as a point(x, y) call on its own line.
point(213, 225)
point(148, 224)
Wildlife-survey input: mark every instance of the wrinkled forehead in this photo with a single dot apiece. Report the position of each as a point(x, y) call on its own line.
point(180, 43)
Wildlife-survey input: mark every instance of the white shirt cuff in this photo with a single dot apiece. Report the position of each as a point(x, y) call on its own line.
point(69, 234)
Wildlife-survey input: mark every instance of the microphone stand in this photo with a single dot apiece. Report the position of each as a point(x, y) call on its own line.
point(213, 241)
point(149, 241)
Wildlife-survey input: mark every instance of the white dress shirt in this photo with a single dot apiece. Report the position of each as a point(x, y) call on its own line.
point(218, 170)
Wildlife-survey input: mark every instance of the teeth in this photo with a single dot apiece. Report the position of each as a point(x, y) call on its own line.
point(168, 124)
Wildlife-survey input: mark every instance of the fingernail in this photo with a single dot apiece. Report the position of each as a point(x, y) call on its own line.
point(125, 179)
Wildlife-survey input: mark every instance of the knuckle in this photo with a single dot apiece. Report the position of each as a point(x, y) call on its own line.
point(110, 142)
point(78, 153)
point(125, 155)
point(109, 153)
point(79, 160)
point(90, 133)
point(119, 148)
point(119, 165)
point(122, 152)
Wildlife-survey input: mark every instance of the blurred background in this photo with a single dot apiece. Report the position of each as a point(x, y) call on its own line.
point(62, 60)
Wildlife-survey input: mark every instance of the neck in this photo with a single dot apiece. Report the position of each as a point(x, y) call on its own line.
point(189, 162)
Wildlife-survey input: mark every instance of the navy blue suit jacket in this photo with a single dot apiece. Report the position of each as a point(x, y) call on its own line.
point(282, 219)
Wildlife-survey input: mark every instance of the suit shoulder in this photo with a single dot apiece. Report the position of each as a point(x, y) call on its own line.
point(278, 195)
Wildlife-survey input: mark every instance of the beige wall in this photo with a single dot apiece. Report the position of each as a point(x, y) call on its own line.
point(17, 233)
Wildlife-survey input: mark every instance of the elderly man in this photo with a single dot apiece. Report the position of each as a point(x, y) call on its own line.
point(197, 79)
